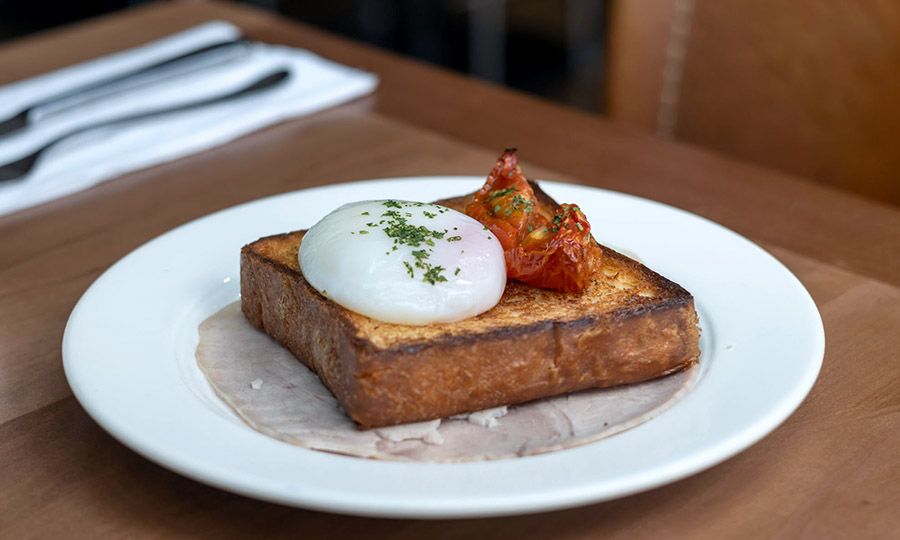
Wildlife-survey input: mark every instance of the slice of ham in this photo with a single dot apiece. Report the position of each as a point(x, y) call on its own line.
point(277, 395)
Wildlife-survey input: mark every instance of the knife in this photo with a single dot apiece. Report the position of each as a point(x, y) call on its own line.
point(184, 63)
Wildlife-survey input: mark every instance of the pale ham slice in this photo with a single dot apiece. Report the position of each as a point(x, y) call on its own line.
point(278, 396)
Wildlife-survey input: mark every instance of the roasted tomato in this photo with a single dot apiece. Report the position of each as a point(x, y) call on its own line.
point(555, 252)
point(506, 203)
point(559, 255)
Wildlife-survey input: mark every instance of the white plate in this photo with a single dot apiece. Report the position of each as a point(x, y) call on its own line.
point(128, 353)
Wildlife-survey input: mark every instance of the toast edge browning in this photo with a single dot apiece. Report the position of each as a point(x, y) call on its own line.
point(503, 365)
point(509, 368)
point(311, 327)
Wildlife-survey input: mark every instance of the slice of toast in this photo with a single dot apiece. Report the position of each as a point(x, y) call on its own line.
point(632, 325)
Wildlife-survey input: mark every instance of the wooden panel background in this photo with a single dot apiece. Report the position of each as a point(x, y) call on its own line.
point(809, 87)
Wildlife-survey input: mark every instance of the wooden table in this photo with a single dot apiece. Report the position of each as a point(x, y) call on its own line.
point(832, 470)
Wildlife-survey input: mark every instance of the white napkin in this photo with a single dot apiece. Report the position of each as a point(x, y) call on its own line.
point(97, 155)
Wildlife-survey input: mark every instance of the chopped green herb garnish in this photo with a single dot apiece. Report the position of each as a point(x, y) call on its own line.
point(412, 235)
point(396, 226)
point(454, 238)
point(433, 274)
point(521, 203)
point(497, 193)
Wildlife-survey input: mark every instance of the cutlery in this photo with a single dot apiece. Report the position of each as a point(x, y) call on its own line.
point(178, 65)
point(21, 167)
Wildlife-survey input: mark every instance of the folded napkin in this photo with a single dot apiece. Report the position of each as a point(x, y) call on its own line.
point(91, 157)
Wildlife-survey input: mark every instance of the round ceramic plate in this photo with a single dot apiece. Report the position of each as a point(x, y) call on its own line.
point(128, 353)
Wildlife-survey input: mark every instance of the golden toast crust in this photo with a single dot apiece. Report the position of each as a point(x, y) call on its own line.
point(631, 325)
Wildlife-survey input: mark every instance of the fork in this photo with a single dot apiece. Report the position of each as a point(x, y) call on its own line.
point(210, 54)
point(22, 166)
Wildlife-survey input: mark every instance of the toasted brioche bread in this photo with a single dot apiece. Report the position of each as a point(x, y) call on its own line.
point(632, 325)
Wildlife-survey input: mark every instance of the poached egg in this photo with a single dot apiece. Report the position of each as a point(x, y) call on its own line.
point(404, 262)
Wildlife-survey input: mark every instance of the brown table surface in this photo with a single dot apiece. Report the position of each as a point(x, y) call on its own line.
point(831, 470)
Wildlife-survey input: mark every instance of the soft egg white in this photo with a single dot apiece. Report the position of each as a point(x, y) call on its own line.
point(404, 262)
